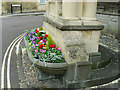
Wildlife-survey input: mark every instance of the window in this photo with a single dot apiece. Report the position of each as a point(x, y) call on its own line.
point(42, 1)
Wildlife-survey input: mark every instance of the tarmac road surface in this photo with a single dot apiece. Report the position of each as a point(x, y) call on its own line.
point(10, 28)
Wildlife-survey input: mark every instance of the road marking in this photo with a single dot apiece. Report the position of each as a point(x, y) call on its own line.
point(17, 47)
point(4, 60)
point(112, 82)
point(8, 64)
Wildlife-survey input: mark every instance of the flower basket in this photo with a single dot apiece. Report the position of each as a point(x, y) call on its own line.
point(47, 66)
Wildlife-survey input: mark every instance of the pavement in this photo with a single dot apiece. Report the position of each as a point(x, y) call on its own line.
point(24, 14)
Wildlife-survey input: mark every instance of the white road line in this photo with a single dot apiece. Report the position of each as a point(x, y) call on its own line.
point(112, 82)
point(17, 47)
point(8, 64)
point(3, 64)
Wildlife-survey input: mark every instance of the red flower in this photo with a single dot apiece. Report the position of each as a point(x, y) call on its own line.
point(41, 46)
point(52, 45)
point(36, 31)
point(58, 48)
point(40, 38)
point(37, 42)
point(46, 35)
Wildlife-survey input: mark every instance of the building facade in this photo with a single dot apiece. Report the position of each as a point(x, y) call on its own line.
point(27, 6)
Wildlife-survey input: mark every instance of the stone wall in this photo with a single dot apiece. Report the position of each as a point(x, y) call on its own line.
point(41, 7)
point(108, 8)
point(110, 23)
point(108, 14)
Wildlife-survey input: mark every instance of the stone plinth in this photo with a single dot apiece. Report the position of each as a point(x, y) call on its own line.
point(76, 74)
point(71, 43)
point(76, 42)
point(75, 29)
point(87, 34)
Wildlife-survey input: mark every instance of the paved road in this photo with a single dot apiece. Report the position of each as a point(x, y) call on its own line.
point(11, 28)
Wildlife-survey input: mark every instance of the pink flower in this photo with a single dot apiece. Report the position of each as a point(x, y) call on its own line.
point(44, 41)
point(41, 50)
point(58, 48)
point(36, 50)
point(36, 44)
point(44, 47)
point(33, 32)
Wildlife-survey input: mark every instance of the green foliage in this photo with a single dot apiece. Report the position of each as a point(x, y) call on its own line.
point(41, 28)
point(39, 34)
point(49, 41)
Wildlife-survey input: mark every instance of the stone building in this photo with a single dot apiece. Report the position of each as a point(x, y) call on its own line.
point(27, 6)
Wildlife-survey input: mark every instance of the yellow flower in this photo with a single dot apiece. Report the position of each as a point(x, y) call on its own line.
point(30, 43)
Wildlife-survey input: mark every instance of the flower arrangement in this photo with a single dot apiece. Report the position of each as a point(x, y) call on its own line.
point(43, 47)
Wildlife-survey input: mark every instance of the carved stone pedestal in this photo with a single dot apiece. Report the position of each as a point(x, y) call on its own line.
point(76, 74)
point(42, 75)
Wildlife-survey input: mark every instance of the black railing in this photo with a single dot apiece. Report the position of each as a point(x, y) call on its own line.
point(16, 6)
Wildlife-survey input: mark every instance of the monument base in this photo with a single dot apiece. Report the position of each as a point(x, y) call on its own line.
point(76, 74)
point(95, 57)
point(42, 75)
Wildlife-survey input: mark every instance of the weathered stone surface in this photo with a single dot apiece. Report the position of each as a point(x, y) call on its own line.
point(76, 73)
point(71, 43)
point(95, 57)
point(42, 75)
point(89, 33)
point(91, 23)
point(91, 39)
point(67, 40)
point(73, 25)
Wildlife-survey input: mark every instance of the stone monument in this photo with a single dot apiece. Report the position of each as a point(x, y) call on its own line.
point(75, 29)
